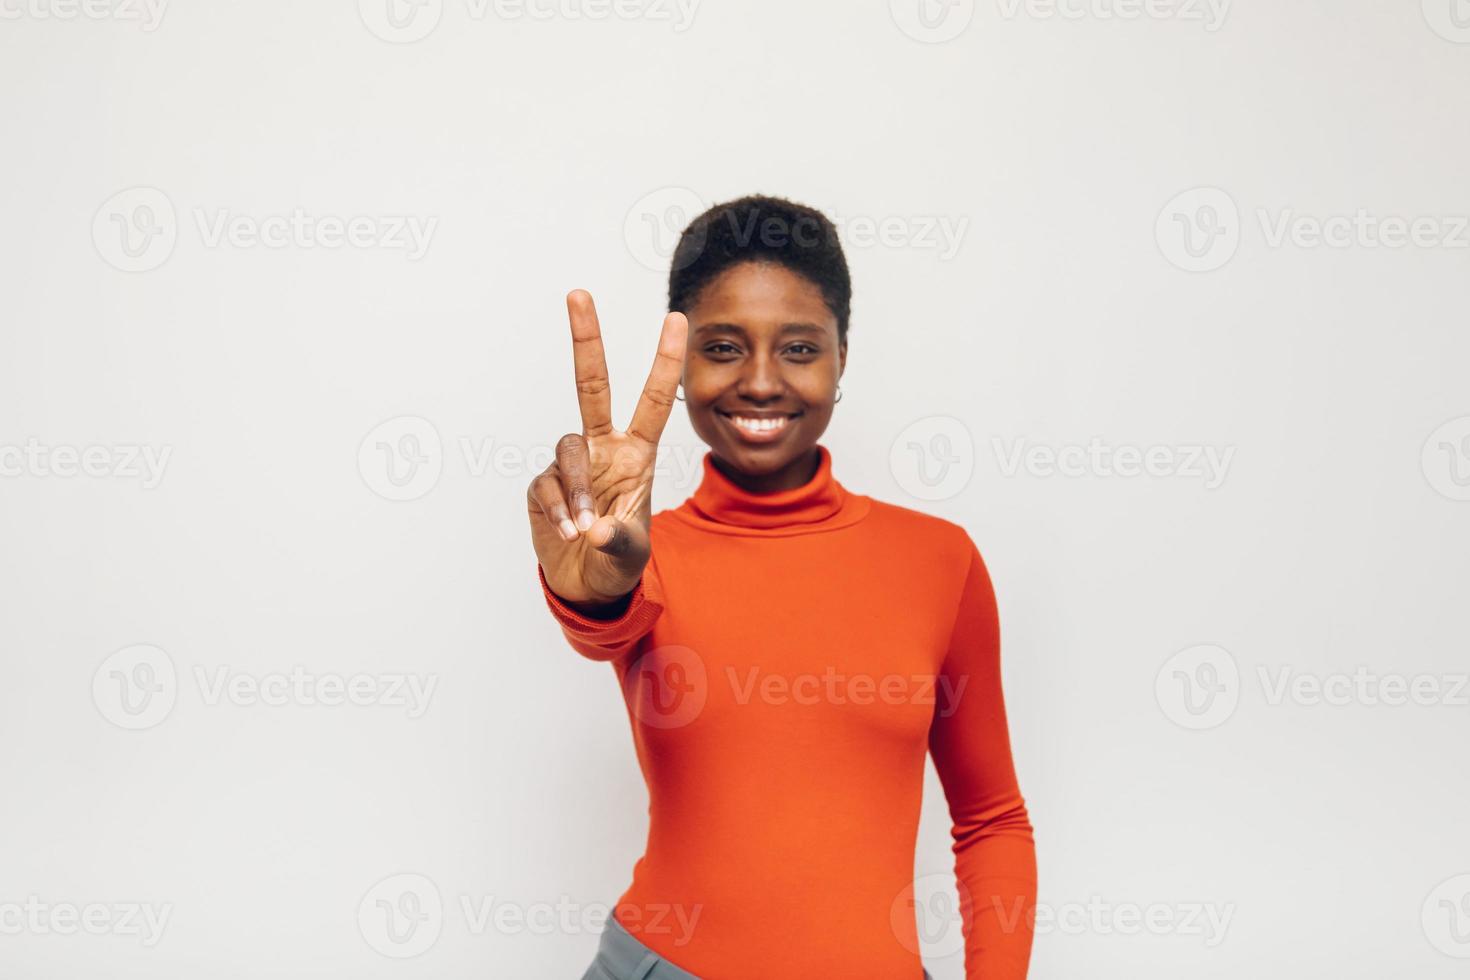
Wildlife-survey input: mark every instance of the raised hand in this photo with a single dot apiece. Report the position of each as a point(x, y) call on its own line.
point(590, 509)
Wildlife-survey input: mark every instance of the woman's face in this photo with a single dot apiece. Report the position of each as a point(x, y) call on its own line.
point(761, 372)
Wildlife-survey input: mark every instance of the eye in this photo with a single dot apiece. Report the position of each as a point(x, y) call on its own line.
point(721, 348)
point(804, 349)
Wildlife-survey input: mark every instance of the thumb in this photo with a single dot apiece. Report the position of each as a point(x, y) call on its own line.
point(613, 538)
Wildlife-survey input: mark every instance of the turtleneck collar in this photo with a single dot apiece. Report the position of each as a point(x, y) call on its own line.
point(820, 504)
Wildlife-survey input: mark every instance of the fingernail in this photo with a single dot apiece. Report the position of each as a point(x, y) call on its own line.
point(585, 519)
point(568, 529)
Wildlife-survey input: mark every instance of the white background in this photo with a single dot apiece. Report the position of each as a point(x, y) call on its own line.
point(546, 151)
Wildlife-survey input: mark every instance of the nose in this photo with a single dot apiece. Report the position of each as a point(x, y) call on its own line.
point(761, 381)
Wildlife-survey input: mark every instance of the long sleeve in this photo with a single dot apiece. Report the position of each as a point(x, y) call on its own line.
point(608, 639)
point(995, 853)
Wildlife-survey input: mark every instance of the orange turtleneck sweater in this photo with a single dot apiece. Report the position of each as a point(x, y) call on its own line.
point(786, 661)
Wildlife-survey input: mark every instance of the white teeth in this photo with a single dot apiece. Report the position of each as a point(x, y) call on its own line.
point(758, 425)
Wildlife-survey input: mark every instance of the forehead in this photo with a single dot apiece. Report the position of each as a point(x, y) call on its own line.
point(761, 295)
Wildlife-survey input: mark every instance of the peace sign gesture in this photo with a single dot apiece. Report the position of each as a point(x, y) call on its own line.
point(590, 509)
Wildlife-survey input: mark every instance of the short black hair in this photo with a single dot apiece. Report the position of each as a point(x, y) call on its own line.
point(758, 228)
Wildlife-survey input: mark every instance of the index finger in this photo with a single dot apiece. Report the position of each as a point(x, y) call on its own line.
point(594, 397)
point(657, 399)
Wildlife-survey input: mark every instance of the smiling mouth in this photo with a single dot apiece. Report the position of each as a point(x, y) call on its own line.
point(759, 426)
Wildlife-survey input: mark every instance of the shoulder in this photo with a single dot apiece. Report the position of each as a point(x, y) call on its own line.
point(941, 540)
point(937, 552)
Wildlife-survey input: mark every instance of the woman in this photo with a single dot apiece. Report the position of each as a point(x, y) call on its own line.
point(788, 650)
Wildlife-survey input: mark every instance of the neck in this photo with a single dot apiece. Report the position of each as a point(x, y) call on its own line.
point(811, 500)
point(799, 472)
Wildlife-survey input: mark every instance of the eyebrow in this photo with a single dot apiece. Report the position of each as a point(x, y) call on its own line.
point(786, 328)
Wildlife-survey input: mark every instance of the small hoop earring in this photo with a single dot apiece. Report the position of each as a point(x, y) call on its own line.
point(839, 395)
point(677, 396)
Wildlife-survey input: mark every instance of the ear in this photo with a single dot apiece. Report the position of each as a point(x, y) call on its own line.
point(841, 359)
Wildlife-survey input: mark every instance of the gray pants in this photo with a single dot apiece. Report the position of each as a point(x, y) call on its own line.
point(621, 957)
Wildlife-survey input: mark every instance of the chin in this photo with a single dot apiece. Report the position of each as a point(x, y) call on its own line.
point(762, 459)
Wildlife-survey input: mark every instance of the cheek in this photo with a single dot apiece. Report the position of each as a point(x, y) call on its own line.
point(816, 382)
point(704, 384)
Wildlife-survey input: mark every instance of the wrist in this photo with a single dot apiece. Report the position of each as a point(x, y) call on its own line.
point(600, 608)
